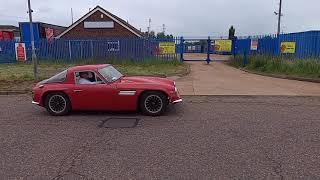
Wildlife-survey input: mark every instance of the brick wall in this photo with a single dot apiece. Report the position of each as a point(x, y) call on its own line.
point(79, 32)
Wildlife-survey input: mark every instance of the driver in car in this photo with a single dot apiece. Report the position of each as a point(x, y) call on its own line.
point(84, 78)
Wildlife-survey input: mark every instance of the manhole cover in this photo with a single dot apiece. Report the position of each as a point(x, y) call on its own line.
point(119, 123)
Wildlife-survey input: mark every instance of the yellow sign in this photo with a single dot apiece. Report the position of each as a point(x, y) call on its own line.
point(167, 47)
point(223, 45)
point(288, 47)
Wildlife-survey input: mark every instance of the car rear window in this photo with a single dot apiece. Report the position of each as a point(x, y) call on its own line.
point(56, 78)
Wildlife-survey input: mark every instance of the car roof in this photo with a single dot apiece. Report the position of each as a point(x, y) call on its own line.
point(88, 67)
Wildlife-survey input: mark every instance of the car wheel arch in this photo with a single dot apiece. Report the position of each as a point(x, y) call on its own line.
point(146, 91)
point(44, 96)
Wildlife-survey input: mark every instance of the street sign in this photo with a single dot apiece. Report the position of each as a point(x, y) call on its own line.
point(223, 45)
point(254, 44)
point(288, 47)
point(167, 47)
point(21, 54)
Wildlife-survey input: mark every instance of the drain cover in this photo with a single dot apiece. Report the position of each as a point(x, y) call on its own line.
point(119, 123)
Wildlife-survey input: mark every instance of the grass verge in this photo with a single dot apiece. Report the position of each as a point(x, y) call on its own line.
point(297, 68)
point(19, 76)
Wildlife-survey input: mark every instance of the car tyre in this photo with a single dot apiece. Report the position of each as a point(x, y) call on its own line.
point(57, 104)
point(153, 103)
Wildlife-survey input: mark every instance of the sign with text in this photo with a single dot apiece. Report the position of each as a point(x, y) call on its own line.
point(20, 51)
point(223, 45)
point(288, 47)
point(254, 45)
point(167, 47)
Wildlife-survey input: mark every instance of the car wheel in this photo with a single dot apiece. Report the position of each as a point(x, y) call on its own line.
point(58, 104)
point(153, 103)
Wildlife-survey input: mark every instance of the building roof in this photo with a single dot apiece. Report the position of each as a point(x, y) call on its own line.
point(115, 18)
point(8, 28)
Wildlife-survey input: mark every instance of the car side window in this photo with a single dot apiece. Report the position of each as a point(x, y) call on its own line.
point(87, 77)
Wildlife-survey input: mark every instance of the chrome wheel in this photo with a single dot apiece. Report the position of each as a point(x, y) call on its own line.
point(57, 104)
point(153, 104)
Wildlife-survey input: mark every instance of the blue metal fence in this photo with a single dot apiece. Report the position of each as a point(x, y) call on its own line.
point(72, 50)
point(307, 44)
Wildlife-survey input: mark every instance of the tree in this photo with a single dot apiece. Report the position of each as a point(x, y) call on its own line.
point(161, 35)
point(152, 34)
point(232, 32)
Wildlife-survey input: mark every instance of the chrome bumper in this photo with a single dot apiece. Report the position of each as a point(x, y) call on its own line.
point(36, 103)
point(177, 101)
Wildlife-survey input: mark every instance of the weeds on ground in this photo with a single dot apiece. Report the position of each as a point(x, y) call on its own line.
point(309, 68)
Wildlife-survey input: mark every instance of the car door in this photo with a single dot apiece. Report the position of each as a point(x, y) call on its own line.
point(93, 96)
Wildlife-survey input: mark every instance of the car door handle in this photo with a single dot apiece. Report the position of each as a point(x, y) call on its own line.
point(77, 91)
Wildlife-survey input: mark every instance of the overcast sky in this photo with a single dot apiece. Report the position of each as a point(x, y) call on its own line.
point(181, 17)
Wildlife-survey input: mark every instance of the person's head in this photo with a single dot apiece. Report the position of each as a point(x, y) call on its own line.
point(84, 75)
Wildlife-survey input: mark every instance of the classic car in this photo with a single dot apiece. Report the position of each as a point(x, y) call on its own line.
point(103, 88)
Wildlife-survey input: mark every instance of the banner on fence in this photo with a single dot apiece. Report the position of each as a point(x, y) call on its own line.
point(254, 44)
point(223, 45)
point(167, 47)
point(49, 33)
point(288, 47)
point(20, 51)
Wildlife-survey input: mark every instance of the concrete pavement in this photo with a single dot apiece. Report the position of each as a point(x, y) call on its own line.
point(220, 79)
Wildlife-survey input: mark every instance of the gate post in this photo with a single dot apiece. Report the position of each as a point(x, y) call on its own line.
point(181, 48)
point(208, 51)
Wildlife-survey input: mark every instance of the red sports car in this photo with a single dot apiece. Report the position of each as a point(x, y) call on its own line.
point(103, 88)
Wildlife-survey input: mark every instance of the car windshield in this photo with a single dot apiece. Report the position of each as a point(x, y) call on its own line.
point(110, 73)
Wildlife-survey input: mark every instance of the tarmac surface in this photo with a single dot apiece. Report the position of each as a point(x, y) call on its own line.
point(205, 137)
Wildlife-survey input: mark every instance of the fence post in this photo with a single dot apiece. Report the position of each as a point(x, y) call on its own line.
point(70, 55)
point(234, 46)
point(81, 50)
point(91, 49)
point(181, 48)
point(208, 51)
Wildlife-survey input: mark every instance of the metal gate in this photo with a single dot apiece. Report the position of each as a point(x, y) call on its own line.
point(201, 49)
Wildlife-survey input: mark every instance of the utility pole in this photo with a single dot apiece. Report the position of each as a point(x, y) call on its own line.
point(279, 17)
point(71, 16)
point(34, 56)
point(149, 27)
point(163, 28)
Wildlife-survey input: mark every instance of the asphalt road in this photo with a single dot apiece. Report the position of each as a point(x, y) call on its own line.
point(209, 137)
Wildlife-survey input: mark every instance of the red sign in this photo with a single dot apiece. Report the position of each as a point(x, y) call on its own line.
point(21, 52)
point(49, 33)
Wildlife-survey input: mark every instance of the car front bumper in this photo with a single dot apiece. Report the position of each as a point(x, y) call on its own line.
point(177, 101)
point(36, 103)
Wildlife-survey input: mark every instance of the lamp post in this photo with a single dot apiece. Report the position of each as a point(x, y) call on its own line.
point(34, 56)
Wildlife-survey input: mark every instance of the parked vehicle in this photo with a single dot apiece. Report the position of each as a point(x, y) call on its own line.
point(103, 88)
